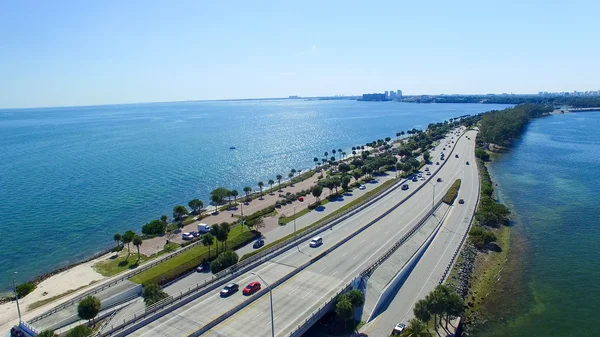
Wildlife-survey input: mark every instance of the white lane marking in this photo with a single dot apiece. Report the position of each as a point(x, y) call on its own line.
point(322, 269)
point(255, 317)
point(355, 257)
point(291, 291)
point(306, 294)
point(335, 272)
point(387, 232)
point(363, 240)
point(344, 254)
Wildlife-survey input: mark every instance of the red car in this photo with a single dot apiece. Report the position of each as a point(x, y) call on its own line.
point(301, 198)
point(251, 288)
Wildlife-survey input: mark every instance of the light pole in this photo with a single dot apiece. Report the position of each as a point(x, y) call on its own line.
point(271, 298)
point(432, 196)
point(16, 296)
point(295, 239)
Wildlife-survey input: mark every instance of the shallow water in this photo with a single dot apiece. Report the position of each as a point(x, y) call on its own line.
point(550, 179)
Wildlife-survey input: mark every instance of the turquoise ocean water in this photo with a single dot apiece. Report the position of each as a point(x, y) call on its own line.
point(551, 180)
point(72, 177)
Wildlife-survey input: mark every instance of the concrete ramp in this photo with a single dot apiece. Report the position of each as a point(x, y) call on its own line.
point(385, 281)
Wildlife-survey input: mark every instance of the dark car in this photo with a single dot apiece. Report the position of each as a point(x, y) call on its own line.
point(229, 289)
point(461, 201)
point(251, 288)
point(455, 156)
point(467, 163)
point(437, 162)
point(404, 187)
point(439, 180)
point(259, 243)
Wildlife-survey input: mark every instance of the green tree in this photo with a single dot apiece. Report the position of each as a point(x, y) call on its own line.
point(165, 220)
point(291, 176)
point(316, 161)
point(279, 177)
point(46, 333)
point(426, 156)
point(215, 231)
point(416, 328)
point(271, 182)
point(207, 241)
point(259, 223)
point(88, 308)
point(234, 194)
point(154, 227)
point(196, 205)
point(80, 331)
point(345, 182)
point(330, 185)
point(339, 151)
point(343, 308)
point(421, 310)
point(247, 190)
point(117, 239)
point(356, 297)
point(316, 191)
point(357, 174)
point(137, 242)
point(260, 186)
point(225, 260)
point(179, 211)
point(224, 234)
point(293, 172)
point(153, 293)
point(482, 154)
point(127, 238)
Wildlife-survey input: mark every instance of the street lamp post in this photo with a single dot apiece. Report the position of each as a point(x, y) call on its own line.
point(16, 296)
point(271, 299)
point(295, 238)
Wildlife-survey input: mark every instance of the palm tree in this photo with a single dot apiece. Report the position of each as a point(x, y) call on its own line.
point(247, 190)
point(326, 154)
point(271, 182)
point(207, 241)
point(279, 177)
point(293, 172)
point(340, 152)
point(398, 134)
point(333, 152)
point(117, 238)
point(234, 194)
point(165, 220)
point(343, 155)
point(421, 310)
point(127, 238)
point(260, 185)
point(291, 176)
point(416, 328)
point(316, 160)
point(137, 242)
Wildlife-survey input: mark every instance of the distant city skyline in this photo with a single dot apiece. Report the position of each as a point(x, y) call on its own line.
point(72, 53)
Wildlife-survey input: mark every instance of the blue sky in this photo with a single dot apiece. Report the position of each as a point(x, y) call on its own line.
point(55, 53)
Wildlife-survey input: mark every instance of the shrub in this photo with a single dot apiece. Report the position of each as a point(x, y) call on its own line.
point(154, 227)
point(24, 289)
point(80, 331)
point(225, 260)
point(152, 294)
point(452, 192)
point(482, 154)
point(480, 237)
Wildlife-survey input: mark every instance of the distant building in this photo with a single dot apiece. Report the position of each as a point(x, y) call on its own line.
point(392, 95)
point(399, 94)
point(294, 96)
point(387, 95)
point(374, 97)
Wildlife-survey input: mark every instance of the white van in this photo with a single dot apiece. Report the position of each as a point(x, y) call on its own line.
point(316, 242)
point(203, 228)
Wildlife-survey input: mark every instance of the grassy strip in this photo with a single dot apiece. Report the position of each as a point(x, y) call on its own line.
point(190, 259)
point(452, 192)
point(288, 219)
point(334, 214)
point(121, 263)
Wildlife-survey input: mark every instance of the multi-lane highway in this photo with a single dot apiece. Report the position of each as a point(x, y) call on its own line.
point(430, 268)
point(298, 296)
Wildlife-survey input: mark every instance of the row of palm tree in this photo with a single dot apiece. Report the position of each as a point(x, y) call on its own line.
point(128, 238)
point(441, 303)
point(219, 233)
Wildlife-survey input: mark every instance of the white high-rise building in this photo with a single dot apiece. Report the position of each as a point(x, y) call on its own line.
point(399, 93)
point(387, 95)
point(392, 95)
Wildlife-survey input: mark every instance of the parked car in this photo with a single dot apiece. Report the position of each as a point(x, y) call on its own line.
point(251, 288)
point(195, 234)
point(461, 201)
point(300, 198)
point(404, 187)
point(258, 243)
point(316, 242)
point(203, 228)
point(229, 289)
point(427, 169)
point(415, 179)
point(202, 268)
point(428, 173)
point(187, 236)
point(362, 187)
point(398, 329)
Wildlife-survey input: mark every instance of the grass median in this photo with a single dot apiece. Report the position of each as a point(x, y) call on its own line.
point(452, 192)
point(379, 189)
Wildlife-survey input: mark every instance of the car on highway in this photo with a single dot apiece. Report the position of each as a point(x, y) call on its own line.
point(251, 288)
point(415, 179)
point(404, 187)
point(316, 242)
point(229, 289)
point(258, 243)
point(461, 201)
point(439, 180)
point(398, 329)
point(422, 178)
point(362, 187)
point(437, 162)
point(456, 156)
point(467, 163)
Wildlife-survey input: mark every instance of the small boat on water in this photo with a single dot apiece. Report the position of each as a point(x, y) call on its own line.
point(232, 147)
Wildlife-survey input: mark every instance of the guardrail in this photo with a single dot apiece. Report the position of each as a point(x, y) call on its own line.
point(226, 275)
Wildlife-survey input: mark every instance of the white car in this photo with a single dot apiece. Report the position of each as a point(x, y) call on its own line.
point(422, 178)
point(428, 173)
point(362, 187)
point(187, 236)
point(398, 329)
point(316, 242)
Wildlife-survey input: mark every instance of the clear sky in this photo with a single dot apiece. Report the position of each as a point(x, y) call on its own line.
point(56, 53)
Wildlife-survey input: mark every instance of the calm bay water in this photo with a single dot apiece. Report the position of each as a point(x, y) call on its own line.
point(72, 177)
point(551, 179)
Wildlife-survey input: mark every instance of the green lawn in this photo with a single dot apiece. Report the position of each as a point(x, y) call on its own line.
point(191, 258)
point(120, 263)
